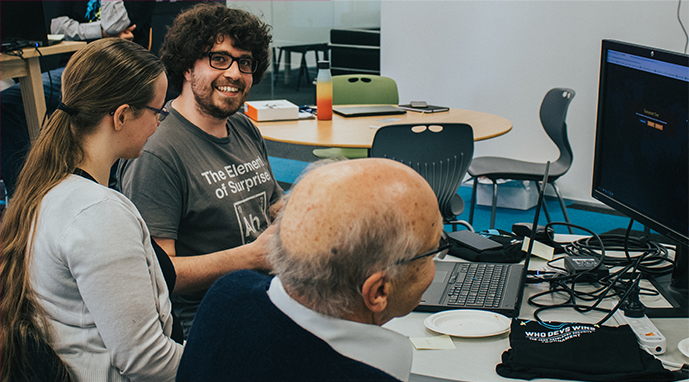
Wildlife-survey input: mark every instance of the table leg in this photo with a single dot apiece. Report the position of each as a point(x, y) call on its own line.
point(303, 69)
point(288, 66)
point(315, 52)
point(33, 97)
point(276, 69)
point(276, 64)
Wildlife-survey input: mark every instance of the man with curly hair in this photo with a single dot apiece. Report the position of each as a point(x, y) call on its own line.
point(203, 184)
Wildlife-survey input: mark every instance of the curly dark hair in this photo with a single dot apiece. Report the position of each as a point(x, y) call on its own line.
point(197, 29)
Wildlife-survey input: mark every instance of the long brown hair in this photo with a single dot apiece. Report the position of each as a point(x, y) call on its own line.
point(99, 78)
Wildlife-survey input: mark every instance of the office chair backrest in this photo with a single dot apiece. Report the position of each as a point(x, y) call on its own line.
point(441, 153)
point(553, 114)
point(364, 89)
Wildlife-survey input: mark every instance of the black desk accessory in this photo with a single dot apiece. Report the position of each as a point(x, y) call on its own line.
point(420, 108)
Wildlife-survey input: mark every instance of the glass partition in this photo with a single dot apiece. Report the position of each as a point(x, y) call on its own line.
point(303, 28)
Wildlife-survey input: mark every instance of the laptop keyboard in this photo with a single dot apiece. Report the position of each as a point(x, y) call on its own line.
point(477, 285)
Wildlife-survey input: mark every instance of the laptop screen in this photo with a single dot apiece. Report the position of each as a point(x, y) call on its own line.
point(22, 21)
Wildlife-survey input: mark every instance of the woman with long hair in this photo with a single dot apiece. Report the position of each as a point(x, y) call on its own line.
point(83, 295)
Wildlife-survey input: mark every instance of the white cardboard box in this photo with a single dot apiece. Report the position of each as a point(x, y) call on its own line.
point(272, 110)
point(516, 194)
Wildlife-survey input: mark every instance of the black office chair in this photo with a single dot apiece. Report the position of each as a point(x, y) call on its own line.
point(441, 153)
point(553, 114)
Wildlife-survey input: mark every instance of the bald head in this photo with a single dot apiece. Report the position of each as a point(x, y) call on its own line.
point(345, 221)
point(329, 199)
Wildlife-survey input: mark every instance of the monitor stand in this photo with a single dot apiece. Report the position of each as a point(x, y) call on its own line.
point(674, 287)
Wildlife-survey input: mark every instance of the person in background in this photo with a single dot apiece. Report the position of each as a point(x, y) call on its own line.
point(78, 21)
point(203, 183)
point(83, 295)
point(353, 248)
point(106, 19)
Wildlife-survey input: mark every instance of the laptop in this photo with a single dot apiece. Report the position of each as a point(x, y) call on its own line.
point(23, 25)
point(496, 287)
point(365, 111)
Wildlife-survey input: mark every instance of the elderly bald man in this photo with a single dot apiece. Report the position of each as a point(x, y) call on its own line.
point(353, 249)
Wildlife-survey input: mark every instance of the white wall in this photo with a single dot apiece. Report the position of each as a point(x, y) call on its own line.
point(501, 57)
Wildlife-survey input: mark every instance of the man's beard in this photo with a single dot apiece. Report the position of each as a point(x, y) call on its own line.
point(204, 101)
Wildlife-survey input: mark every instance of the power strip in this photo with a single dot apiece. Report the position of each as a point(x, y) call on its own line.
point(648, 336)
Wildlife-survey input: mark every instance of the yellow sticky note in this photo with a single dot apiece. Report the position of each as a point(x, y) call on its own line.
point(443, 342)
point(539, 249)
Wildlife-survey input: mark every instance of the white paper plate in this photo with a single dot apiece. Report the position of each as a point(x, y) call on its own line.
point(468, 323)
point(683, 346)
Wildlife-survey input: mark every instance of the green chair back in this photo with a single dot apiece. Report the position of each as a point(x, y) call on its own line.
point(364, 89)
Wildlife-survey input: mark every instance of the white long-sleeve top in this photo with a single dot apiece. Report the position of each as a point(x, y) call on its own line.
point(97, 277)
point(114, 19)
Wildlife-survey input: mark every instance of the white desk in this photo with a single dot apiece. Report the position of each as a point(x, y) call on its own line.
point(474, 359)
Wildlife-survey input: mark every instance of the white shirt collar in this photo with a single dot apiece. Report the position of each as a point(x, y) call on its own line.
point(373, 345)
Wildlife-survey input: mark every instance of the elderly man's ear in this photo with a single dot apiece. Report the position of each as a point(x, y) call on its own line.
point(376, 291)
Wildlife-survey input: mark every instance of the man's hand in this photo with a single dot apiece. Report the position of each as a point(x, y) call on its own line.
point(261, 246)
point(127, 34)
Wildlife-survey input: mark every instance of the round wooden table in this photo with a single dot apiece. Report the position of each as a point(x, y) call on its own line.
point(358, 132)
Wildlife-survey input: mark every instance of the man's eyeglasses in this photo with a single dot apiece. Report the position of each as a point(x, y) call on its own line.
point(223, 61)
point(162, 113)
point(442, 251)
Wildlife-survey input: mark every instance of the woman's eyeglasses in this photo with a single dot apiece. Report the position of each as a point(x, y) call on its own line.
point(162, 113)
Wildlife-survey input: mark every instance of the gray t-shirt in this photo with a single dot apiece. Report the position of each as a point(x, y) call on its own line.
point(206, 193)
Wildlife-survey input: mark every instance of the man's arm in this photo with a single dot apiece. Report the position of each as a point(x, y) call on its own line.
point(114, 19)
point(114, 23)
point(196, 273)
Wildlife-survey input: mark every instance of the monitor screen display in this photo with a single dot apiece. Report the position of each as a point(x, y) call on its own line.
point(641, 163)
point(22, 21)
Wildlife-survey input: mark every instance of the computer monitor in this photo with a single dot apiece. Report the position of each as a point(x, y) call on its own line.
point(641, 163)
point(23, 24)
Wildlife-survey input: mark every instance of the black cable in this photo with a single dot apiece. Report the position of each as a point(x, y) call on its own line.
point(686, 36)
point(583, 308)
point(558, 282)
point(641, 267)
point(16, 53)
point(624, 297)
point(617, 284)
point(653, 253)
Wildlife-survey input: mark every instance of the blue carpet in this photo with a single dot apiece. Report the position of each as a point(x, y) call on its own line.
point(288, 170)
point(505, 217)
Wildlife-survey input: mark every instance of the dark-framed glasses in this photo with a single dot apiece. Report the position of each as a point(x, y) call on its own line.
point(223, 61)
point(162, 113)
point(442, 251)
